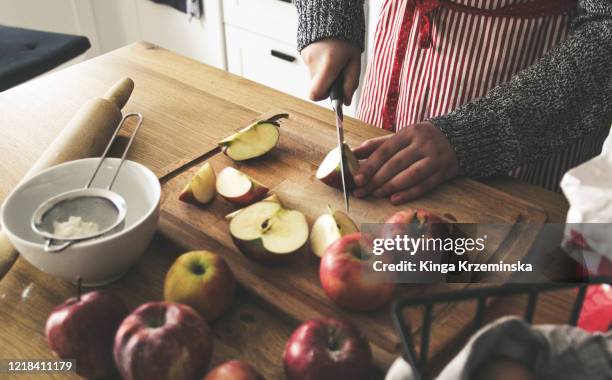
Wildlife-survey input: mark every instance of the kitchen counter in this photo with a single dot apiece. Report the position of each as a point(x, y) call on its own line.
point(179, 94)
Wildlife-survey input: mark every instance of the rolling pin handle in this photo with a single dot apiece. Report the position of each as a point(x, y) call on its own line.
point(120, 92)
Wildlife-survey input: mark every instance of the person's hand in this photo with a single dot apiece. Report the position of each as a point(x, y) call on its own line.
point(326, 59)
point(405, 165)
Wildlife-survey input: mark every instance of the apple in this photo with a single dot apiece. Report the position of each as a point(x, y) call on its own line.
point(252, 141)
point(268, 233)
point(346, 278)
point(201, 187)
point(418, 224)
point(82, 328)
point(238, 188)
point(327, 349)
point(234, 370)
point(163, 341)
point(202, 280)
point(328, 228)
point(271, 198)
point(329, 171)
point(415, 223)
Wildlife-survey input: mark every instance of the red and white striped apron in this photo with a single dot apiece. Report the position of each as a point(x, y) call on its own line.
point(431, 56)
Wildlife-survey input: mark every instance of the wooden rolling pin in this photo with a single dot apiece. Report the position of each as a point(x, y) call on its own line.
point(85, 135)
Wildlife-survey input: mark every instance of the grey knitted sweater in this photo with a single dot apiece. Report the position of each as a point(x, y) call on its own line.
point(564, 96)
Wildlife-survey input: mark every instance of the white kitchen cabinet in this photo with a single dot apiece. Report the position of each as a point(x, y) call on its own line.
point(265, 60)
point(276, 19)
point(201, 39)
point(271, 62)
point(261, 45)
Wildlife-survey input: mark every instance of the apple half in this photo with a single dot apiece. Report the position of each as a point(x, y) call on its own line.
point(329, 171)
point(268, 233)
point(238, 188)
point(201, 187)
point(253, 141)
point(328, 228)
point(271, 198)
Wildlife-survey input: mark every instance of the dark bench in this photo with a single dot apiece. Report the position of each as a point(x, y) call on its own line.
point(25, 53)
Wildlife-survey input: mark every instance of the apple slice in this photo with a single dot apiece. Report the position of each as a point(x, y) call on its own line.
point(201, 187)
point(253, 141)
point(271, 198)
point(268, 233)
point(329, 170)
point(238, 188)
point(328, 228)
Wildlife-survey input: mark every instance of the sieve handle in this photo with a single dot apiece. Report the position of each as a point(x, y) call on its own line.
point(125, 151)
point(54, 248)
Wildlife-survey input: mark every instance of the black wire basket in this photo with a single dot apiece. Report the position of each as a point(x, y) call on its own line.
point(481, 296)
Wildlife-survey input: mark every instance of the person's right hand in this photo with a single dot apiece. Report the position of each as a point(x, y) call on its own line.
point(326, 59)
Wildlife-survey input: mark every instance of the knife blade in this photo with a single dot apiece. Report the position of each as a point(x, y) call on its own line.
point(336, 96)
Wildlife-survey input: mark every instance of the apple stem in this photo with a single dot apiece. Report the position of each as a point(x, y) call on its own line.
point(79, 285)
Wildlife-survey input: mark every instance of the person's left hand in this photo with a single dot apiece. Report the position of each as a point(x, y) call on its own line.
point(405, 165)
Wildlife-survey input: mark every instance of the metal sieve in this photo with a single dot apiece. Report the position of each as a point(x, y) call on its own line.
point(86, 213)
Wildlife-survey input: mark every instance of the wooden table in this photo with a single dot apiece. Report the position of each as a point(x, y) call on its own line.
point(178, 92)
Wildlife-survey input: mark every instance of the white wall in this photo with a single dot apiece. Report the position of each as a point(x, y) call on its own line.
point(115, 22)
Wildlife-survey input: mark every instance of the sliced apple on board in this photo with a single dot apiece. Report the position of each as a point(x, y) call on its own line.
point(271, 198)
point(328, 228)
point(253, 141)
point(201, 187)
point(329, 171)
point(268, 233)
point(238, 188)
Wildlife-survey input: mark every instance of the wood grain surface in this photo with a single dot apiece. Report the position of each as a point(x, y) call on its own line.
point(289, 171)
point(187, 107)
point(251, 330)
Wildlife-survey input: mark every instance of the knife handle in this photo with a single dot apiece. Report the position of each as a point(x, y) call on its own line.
point(337, 89)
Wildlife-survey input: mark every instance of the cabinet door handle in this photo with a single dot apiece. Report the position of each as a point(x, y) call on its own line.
point(281, 55)
point(286, 1)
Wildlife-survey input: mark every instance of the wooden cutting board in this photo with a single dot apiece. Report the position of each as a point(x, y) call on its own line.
point(289, 171)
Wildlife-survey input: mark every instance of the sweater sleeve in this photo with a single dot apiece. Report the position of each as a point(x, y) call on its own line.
point(563, 97)
point(319, 19)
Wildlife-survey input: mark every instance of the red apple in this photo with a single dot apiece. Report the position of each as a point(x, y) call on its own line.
point(327, 349)
point(163, 341)
point(234, 370)
point(82, 328)
point(422, 222)
point(415, 223)
point(238, 188)
point(202, 280)
point(347, 278)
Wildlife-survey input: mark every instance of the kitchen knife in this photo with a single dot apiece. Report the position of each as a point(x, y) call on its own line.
point(336, 96)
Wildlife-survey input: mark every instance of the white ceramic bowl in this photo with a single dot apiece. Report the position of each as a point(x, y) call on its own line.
point(96, 261)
